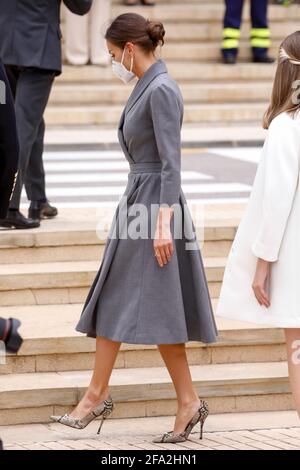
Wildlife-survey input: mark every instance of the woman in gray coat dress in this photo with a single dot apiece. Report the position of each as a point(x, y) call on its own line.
point(151, 286)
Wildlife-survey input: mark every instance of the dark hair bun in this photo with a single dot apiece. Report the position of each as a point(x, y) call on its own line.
point(156, 32)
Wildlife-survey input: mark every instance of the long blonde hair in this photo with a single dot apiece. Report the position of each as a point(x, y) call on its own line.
point(287, 73)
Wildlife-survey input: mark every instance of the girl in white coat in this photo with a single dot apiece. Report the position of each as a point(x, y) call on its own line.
point(262, 277)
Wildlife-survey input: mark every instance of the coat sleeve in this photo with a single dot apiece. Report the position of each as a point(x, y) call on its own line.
point(280, 182)
point(9, 148)
point(79, 7)
point(167, 120)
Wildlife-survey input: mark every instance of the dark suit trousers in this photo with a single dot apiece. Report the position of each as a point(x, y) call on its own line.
point(31, 89)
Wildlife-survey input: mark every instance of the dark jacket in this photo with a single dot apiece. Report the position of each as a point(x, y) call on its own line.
point(9, 148)
point(30, 32)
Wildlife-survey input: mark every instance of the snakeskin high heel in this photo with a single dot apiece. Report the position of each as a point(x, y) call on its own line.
point(200, 416)
point(104, 409)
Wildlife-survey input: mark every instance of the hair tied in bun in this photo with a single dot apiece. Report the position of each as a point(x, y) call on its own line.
point(156, 32)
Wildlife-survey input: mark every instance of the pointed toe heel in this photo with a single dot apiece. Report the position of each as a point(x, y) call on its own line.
point(103, 410)
point(55, 418)
point(200, 416)
point(106, 413)
point(203, 414)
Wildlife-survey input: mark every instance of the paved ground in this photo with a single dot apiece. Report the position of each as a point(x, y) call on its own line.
point(98, 177)
point(241, 431)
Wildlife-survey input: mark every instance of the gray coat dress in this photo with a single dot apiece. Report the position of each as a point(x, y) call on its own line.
point(132, 299)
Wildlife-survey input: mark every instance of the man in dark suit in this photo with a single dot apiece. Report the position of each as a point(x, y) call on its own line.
point(9, 154)
point(30, 46)
point(9, 149)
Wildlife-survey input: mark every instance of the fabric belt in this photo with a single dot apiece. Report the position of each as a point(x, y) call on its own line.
point(146, 167)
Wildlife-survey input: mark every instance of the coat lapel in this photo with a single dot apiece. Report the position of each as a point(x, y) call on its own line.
point(155, 69)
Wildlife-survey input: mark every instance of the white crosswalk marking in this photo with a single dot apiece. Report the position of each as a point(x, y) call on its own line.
point(98, 178)
point(245, 154)
point(118, 190)
point(111, 177)
point(84, 155)
point(107, 204)
point(85, 166)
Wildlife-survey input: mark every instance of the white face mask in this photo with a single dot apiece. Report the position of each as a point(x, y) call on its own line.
point(121, 71)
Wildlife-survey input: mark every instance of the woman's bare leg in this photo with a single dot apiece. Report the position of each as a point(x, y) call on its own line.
point(174, 356)
point(293, 350)
point(98, 390)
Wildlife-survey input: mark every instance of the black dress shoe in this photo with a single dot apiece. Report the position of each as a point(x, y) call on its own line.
point(149, 3)
point(15, 219)
point(41, 210)
point(265, 59)
point(229, 59)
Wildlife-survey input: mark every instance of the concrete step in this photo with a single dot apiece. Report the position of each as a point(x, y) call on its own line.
point(199, 27)
point(202, 11)
point(210, 12)
point(89, 252)
point(56, 263)
point(47, 253)
point(188, 29)
point(31, 398)
point(209, 51)
point(212, 31)
point(69, 281)
point(194, 113)
point(182, 71)
point(51, 343)
point(80, 235)
point(192, 93)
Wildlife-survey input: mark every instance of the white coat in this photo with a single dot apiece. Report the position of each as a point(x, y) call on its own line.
point(269, 229)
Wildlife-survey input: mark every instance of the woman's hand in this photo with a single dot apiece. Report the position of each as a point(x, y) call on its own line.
point(163, 243)
point(261, 282)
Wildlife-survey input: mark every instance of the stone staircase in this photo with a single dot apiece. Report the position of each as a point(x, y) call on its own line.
point(45, 275)
point(92, 97)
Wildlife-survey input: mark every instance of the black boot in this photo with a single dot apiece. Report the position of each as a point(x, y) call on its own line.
point(15, 219)
point(41, 210)
point(229, 59)
point(264, 59)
